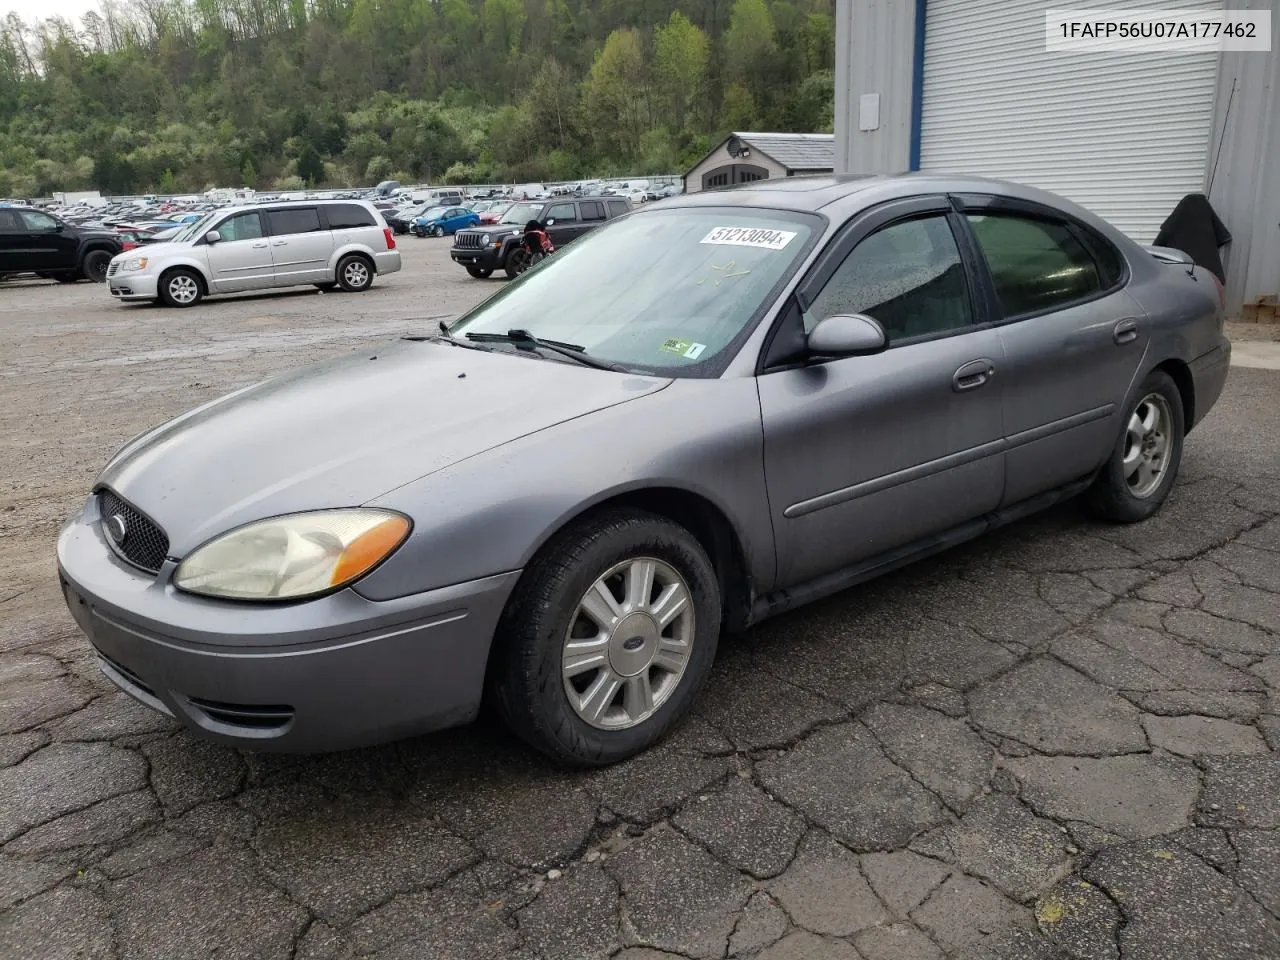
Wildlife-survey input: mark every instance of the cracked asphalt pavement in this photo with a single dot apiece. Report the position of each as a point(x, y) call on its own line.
point(1059, 741)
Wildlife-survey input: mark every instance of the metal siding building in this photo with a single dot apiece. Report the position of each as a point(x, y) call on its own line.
point(967, 86)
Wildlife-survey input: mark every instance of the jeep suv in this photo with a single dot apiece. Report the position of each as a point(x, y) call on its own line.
point(325, 243)
point(32, 241)
point(484, 249)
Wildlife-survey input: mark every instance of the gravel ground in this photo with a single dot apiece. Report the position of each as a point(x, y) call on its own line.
point(1056, 742)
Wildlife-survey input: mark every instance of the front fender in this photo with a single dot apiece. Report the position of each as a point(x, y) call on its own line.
point(492, 513)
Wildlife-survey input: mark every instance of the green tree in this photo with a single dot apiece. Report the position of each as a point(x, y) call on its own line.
point(681, 53)
point(616, 93)
point(749, 46)
point(310, 165)
point(248, 175)
point(167, 183)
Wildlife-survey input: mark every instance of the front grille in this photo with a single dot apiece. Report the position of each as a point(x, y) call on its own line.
point(470, 241)
point(144, 544)
point(251, 716)
point(113, 269)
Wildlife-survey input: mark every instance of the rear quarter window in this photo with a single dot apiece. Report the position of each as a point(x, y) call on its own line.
point(347, 216)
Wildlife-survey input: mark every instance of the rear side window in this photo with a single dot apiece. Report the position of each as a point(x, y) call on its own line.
point(294, 220)
point(591, 210)
point(617, 208)
point(346, 216)
point(1037, 265)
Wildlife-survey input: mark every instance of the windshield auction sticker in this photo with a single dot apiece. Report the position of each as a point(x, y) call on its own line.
point(749, 237)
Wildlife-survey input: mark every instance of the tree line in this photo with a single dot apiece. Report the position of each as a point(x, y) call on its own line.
point(180, 95)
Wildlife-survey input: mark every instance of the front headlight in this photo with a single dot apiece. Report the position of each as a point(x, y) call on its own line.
point(484, 240)
point(133, 264)
point(288, 558)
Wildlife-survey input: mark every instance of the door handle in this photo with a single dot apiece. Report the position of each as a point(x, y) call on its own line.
point(973, 375)
point(258, 246)
point(279, 243)
point(1126, 331)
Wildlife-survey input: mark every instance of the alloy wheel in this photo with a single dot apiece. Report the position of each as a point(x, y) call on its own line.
point(183, 289)
point(356, 274)
point(628, 643)
point(1147, 445)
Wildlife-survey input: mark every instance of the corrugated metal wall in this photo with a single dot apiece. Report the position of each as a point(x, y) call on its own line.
point(1245, 188)
point(873, 55)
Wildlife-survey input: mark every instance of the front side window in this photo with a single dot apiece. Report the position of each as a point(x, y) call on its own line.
point(35, 220)
point(562, 213)
point(908, 275)
point(243, 226)
point(664, 291)
point(1036, 265)
point(294, 220)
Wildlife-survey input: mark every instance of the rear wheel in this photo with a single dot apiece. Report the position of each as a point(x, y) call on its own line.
point(480, 273)
point(180, 288)
point(94, 266)
point(354, 274)
point(518, 261)
point(608, 638)
point(1144, 464)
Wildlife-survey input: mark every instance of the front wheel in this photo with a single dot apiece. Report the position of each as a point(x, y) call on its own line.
point(480, 273)
point(608, 638)
point(354, 274)
point(1144, 464)
point(437, 231)
point(180, 288)
point(518, 261)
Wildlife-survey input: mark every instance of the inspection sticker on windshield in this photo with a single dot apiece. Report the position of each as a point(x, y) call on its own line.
point(749, 237)
point(686, 348)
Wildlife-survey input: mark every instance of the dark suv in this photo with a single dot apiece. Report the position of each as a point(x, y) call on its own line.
point(32, 241)
point(486, 248)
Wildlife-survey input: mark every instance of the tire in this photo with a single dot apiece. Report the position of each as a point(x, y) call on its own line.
point(355, 274)
point(1143, 466)
point(518, 261)
point(94, 265)
point(546, 614)
point(181, 288)
point(437, 231)
point(65, 277)
point(480, 273)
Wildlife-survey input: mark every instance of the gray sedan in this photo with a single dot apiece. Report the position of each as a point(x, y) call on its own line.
point(701, 415)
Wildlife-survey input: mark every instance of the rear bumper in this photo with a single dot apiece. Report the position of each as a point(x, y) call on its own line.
point(1209, 376)
point(328, 674)
point(388, 261)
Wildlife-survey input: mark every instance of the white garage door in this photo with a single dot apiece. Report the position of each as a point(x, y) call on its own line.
point(1123, 134)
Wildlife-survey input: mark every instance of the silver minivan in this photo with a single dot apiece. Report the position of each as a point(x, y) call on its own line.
point(327, 243)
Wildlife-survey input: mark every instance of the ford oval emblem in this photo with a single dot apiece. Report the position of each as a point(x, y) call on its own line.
point(117, 528)
point(633, 643)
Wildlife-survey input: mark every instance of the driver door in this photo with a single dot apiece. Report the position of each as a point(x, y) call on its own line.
point(241, 260)
point(47, 245)
point(561, 221)
point(873, 454)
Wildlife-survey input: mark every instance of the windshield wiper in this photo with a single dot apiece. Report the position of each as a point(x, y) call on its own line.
point(444, 336)
point(525, 339)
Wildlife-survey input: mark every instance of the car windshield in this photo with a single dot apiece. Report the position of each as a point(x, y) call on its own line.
point(664, 291)
point(521, 213)
point(432, 212)
point(194, 229)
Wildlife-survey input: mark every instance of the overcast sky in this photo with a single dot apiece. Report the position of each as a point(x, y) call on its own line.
point(39, 9)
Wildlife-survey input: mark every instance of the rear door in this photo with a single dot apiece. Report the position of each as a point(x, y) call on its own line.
point(591, 213)
point(300, 245)
point(12, 242)
point(241, 259)
point(1073, 339)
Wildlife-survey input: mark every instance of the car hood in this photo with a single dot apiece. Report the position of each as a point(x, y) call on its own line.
point(157, 248)
point(342, 432)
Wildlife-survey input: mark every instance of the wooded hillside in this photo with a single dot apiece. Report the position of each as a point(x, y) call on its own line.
point(178, 95)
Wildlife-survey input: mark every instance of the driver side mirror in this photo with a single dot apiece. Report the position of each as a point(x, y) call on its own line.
point(551, 222)
point(213, 236)
point(847, 335)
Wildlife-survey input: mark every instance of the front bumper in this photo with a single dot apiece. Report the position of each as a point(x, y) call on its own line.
point(327, 674)
point(486, 258)
point(388, 261)
point(133, 286)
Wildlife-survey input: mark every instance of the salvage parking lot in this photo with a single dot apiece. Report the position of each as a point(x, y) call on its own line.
point(1058, 741)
